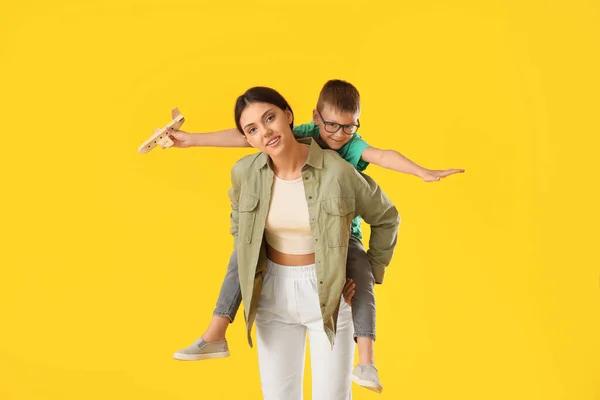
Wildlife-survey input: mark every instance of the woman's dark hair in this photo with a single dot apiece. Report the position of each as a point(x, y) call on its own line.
point(260, 94)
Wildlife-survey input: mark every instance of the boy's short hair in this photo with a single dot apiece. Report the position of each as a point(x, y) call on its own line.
point(341, 95)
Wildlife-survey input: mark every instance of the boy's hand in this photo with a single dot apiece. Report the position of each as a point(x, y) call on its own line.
point(435, 175)
point(349, 291)
point(180, 139)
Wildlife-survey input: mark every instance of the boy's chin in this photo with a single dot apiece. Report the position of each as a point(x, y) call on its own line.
point(335, 145)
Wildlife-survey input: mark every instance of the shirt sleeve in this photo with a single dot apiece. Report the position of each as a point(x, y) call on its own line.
point(306, 130)
point(353, 150)
point(378, 211)
point(234, 197)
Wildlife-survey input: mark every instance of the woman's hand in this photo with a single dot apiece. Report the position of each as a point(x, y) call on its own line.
point(349, 291)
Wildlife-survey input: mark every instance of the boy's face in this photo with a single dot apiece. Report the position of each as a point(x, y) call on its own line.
point(329, 114)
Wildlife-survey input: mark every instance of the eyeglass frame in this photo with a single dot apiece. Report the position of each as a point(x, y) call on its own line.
point(340, 126)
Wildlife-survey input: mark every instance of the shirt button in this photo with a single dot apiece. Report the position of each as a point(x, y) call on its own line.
point(321, 282)
point(323, 305)
point(312, 219)
point(316, 240)
point(310, 197)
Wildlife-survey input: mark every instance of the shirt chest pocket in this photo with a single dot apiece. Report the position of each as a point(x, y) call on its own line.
point(248, 207)
point(336, 217)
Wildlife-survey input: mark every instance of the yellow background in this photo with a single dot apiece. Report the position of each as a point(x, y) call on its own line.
point(111, 260)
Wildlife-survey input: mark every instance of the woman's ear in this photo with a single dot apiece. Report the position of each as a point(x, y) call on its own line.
point(290, 116)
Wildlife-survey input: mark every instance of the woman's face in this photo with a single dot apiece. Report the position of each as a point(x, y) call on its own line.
point(267, 127)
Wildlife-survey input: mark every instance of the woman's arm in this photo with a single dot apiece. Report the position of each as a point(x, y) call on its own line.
point(379, 212)
point(234, 197)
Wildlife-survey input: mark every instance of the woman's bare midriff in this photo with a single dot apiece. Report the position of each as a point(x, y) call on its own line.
point(289, 260)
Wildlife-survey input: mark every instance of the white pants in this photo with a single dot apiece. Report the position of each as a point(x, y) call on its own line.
point(287, 310)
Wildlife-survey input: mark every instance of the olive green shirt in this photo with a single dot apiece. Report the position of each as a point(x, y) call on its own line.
point(351, 152)
point(335, 191)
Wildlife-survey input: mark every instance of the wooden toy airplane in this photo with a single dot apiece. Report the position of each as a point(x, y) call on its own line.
point(160, 136)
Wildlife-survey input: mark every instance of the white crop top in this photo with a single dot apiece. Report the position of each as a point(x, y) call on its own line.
point(287, 228)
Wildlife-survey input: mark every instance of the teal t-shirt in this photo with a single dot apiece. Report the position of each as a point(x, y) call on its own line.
point(351, 152)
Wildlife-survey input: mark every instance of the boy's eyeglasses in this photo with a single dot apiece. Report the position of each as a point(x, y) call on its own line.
point(333, 127)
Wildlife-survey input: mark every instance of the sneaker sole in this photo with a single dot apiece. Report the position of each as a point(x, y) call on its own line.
point(367, 384)
point(198, 357)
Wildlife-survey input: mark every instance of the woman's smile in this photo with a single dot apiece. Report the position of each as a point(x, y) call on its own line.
point(273, 142)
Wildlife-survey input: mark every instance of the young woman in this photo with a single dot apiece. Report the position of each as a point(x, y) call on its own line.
point(292, 207)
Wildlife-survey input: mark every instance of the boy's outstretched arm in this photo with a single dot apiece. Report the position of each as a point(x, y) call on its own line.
point(395, 161)
point(226, 138)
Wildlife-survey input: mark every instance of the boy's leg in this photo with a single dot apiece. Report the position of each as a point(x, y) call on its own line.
point(230, 296)
point(358, 268)
point(212, 343)
point(228, 303)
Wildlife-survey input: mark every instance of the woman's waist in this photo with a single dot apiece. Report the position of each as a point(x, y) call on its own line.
point(289, 260)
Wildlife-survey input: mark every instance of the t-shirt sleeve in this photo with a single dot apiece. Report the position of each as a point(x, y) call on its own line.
point(353, 150)
point(306, 130)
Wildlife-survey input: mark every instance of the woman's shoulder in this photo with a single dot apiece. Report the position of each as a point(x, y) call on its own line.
point(332, 161)
point(245, 163)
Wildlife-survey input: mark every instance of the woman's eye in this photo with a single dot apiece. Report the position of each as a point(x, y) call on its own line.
point(251, 131)
point(270, 118)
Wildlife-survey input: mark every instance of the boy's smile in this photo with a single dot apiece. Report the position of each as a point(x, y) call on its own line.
point(332, 116)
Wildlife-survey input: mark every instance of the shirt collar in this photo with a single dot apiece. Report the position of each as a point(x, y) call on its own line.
point(314, 159)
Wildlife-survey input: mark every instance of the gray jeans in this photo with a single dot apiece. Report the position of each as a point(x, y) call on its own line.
point(358, 268)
